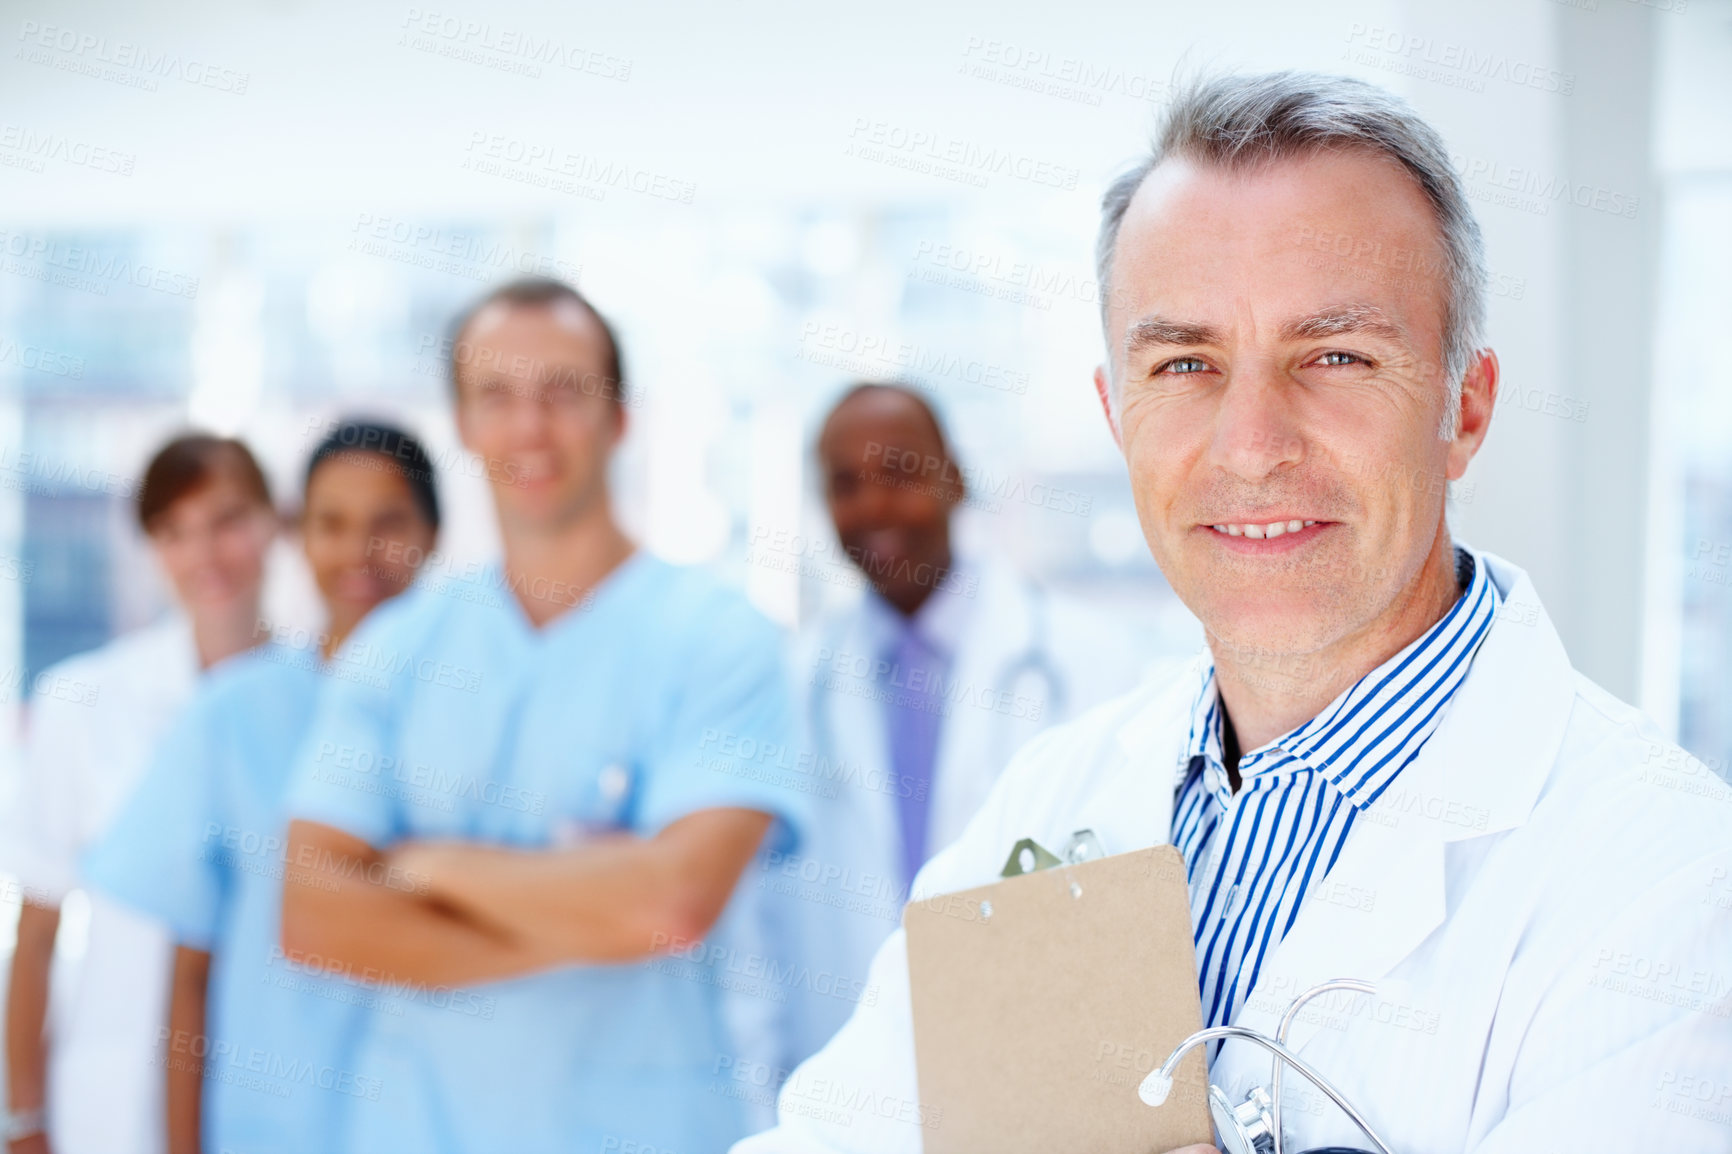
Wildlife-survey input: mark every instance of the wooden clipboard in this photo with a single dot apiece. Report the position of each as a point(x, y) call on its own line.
point(1041, 1001)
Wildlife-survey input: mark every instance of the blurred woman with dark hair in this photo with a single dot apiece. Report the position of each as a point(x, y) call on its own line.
point(257, 1043)
point(92, 1083)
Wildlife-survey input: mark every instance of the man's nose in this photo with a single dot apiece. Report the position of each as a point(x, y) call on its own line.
point(872, 501)
point(1256, 429)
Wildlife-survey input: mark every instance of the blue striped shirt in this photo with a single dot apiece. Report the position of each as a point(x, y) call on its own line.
point(1252, 856)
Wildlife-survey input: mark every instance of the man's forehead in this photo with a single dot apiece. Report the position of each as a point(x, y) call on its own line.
point(1296, 235)
point(1273, 206)
point(557, 317)
point(886, 416)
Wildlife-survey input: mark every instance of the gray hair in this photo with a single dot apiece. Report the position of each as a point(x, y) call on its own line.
point(1241, 121)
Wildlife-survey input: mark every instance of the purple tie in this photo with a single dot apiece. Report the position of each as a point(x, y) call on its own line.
point(914, 709)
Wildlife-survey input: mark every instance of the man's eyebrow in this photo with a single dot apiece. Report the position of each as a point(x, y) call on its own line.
point(1333, 322)
point(1153, 331)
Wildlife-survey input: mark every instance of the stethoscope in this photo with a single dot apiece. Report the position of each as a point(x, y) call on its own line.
point(1254, 1125)
point(1032, 660)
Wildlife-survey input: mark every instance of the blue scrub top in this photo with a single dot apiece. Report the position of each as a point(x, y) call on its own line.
point(626, 712)
point(200, 846)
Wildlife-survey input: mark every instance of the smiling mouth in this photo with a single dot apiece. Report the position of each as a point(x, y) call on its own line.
point(1263, 531)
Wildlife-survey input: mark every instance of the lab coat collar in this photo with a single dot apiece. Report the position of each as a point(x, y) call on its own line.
point(942, 621)
point(1344, 758)
point(1480, 773)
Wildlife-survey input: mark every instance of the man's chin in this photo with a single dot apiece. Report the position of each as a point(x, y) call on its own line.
point(1266, 623)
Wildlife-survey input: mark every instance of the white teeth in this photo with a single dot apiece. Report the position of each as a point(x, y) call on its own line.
point(1262, 532)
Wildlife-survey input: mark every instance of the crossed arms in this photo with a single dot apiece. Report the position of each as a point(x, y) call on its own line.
point(450, 913)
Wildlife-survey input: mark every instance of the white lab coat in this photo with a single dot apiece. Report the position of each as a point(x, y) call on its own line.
point(94, 721)
point(1025, 660)
point(1543, 901)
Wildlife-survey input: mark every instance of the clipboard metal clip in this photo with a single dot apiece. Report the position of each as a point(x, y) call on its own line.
point(1028, 855)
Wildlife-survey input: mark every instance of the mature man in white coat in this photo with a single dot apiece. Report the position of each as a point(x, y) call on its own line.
point(916, 695)
point(1384, 767)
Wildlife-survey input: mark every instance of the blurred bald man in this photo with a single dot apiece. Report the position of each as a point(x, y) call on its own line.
point(918, 692)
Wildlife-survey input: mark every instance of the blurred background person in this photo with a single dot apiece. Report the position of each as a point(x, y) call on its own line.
point(84, 1076)
point(917, 694)
point(546, 763)
point(200, 846)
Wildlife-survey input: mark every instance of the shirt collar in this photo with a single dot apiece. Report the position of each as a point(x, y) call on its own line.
point(1357, 740)
point(941, 621)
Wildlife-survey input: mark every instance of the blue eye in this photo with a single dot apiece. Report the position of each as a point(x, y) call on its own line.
point(1333, 359)
point(1184, 365)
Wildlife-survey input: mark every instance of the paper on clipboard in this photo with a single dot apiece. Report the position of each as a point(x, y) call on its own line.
point(1041, 1001)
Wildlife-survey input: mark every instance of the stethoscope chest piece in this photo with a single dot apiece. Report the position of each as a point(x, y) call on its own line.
point(1247, 1128)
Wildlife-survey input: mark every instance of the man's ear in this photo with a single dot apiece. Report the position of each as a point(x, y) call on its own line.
point(1478, 399)
point(1103, 390)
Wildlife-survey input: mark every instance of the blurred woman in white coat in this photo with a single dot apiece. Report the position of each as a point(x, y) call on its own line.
point(92, 1081)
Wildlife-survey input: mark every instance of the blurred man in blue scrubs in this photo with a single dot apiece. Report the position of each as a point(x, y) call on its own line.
point(259, 1047)
point(543, 754)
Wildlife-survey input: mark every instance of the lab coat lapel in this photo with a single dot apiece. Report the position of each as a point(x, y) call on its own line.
point(1151, 746)
point(981, 732)
point(1480, 772)
point(849, 728)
